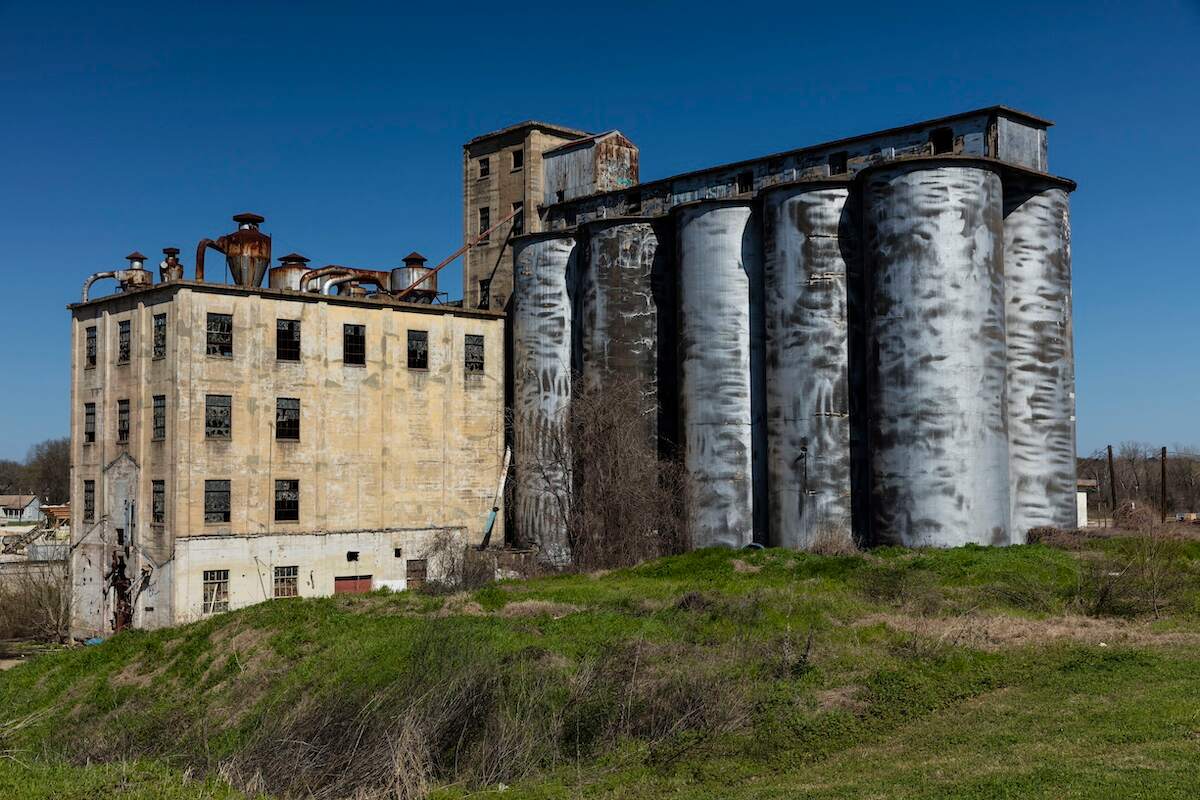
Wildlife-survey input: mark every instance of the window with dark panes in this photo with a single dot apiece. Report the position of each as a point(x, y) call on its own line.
point(216, 501)
point(518, 223)
point(745, 182)
point(287, 581)
point(287, 418)
point(838, 163)
point(287, 501)
point(418, 350)
point(473, 353)
point(158, 502)
point(123, 345)
point(218, 416)
point(122, 421)
point(89, 501)
point(354, 344)
point(485, 222)
point(89, 423)
point(160, 335)
point(216, 590)
point(518, 157)
point(485, 167)
point(160, 417)
point(287, 339)
point(89, 349)
point(485, 292)
point(220, 335)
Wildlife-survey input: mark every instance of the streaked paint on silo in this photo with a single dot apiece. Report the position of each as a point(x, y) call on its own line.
point(544, 270)
point(808, 247)
point(720, 351)
point(1041, 375)
point(933, 241)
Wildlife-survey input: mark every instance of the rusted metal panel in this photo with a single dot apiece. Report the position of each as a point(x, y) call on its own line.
point(247, 251)
point(600, 163)
point(933, 240)
point(720, 273)
point(544, 274)
point(809, 247)
point(1041, 358)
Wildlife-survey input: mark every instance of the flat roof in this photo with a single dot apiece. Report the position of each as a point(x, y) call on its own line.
point(289, 294)
point(562, 130)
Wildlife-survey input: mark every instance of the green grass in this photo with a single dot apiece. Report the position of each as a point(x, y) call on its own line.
point(712, 674)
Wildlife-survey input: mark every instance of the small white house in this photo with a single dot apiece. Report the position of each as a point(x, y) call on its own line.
point(21, 507)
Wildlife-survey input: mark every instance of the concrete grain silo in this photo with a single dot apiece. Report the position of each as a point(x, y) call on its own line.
point(544, 272)
point(933, 239)
point(721, 360)
point(1041, 359)
point(809, 253)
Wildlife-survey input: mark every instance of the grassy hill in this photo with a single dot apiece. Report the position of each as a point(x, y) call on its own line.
point(1068, 671)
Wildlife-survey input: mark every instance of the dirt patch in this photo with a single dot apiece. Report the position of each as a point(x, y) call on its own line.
point(9, 663)
point(537, 608)
point(842, 698)
point(995, 632)
point(744, 567)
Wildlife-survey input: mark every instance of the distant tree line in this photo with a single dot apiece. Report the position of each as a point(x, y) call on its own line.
point(1137, 469)
point(46, 472)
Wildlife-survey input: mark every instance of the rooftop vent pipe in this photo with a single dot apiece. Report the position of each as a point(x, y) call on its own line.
point(354, 279)
point(291, 270)
point(247, 251)
point(136, 277)
point(169, 269)
point(313, 274)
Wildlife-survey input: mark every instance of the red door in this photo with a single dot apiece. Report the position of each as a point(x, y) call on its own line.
point(352, 584)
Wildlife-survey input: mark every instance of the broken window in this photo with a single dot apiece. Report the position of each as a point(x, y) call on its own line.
point(287, 339)
point(398, 552)
point(414, 573)
point(518, 157)
point(160, 335)
point(220, 335)
point(485, 167)
point(485, 222)
point(89, 501)
point(89, 350)
point(518, 223)
point(216, 590)
point(287, 583)
point(89, 423)
point(418, 350)
point(942, 140)
point(216, 501)
point(287, 501)
point(158, 502)
point(838, 162)
point(633, 202)
point(160, 417)
point(354, 344)
point(745, 182)
point(485, 293)
point(218, 416)
point(123, 421)
point(123, 342)
point(473, 353)
point(287, 418)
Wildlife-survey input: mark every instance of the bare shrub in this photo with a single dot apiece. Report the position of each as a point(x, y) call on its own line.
point(898, 585)
point(456, 566)
point(1146, 573)
point(33, 604)
point(833, 541)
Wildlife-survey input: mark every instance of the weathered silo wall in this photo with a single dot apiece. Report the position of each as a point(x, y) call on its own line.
point(625, 314)
point(721, 354)
point(933, 242)
point(544, 271)
point(1041, 360)
point(808, 252)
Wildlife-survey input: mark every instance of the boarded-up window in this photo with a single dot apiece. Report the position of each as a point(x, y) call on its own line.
point(473, 353)
point(352, 584)
point(89, 347)
point(354, 344)
point(123, 421)
point(160, 417)
point(123, 344)
point(287, 339)
point(287, 418)
point(158, 502)
point(89, 423)
point(220, 335)
point(287, 500)
point(160, 335)
point(218, 416)
point(418, 350)
point(216, 590)
point(216, 501)
point(414, 573)
point(287, 583)
point(89, 501)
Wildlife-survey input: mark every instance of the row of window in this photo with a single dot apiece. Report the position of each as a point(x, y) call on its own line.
point(219, 342)
point(518, 162)
point(216, 501)
point(286, 582)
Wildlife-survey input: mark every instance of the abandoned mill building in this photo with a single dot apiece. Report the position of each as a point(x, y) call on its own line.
point(238, 442)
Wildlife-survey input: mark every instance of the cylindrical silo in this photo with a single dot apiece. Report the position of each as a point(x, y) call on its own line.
point(933, 241)
point(720, 354)
point(1041, 360)
point(625, 297)
point(544, 271)
point(809, 252)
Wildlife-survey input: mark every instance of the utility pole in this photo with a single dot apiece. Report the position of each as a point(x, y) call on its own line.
point(1164, 486)
point(1112, 487)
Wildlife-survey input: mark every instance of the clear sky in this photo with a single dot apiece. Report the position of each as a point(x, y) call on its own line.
point(342, 123)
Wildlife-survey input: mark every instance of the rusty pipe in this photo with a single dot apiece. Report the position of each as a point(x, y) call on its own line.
point(361, 277)
point(87, 285)
point(200, 248)
point(329, 269)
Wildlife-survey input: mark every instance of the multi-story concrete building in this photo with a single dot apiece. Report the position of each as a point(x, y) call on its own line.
point(232, 443)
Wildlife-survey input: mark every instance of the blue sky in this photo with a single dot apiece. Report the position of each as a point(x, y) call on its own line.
point(139, 127)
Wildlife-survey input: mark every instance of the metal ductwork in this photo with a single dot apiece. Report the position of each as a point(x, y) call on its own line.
point(314, 274)
point(352, 281)
point(247, 251)
point(135, 277)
